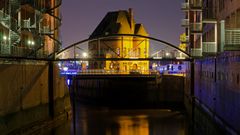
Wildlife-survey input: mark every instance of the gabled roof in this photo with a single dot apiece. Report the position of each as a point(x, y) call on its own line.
point(140, 30)
point(110, 24)
point(118, 22)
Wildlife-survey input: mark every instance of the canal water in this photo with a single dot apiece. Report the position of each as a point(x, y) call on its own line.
point(93, 120)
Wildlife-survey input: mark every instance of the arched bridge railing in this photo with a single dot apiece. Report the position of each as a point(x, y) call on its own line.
point(119, 53)
point(122, 47)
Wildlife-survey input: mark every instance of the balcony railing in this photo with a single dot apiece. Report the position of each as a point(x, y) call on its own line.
point(26, 23)
point(196, 52)
point(16, 51)
point(185, 6)
point(196, 27)
point(209, 47)
point(8, 21)
point(5, 48)
point(232, 39)
point(185, 22)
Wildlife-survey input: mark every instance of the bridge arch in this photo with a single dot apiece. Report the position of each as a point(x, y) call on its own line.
point(121, 35)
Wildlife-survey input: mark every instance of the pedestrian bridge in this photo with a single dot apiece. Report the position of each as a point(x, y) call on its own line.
point(119, 54)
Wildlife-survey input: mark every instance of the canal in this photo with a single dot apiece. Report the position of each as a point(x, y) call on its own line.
point(94, 120)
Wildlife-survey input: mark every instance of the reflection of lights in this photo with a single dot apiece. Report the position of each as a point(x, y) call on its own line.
point(68, 82)
point(85, 54)
point(154, 65)
point(65, 68)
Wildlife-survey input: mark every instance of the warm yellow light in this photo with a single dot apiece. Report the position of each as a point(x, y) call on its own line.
point(167, 54)
point(85, 54)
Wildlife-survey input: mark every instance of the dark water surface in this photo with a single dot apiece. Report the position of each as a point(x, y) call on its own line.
point(92, 120)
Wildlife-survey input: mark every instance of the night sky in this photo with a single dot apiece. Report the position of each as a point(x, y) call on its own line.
point(161, 18)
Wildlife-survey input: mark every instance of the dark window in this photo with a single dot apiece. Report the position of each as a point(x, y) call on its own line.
point(179, 67)
point(237, 78)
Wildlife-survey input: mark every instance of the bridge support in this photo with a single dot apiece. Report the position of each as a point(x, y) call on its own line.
point(51, 89)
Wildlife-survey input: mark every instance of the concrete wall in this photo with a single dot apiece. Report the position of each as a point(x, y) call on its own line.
point(218, 88)
point(130, 91)
point(24, 94)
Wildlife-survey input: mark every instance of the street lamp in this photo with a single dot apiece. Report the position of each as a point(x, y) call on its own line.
point(84, 54)
point(4, 38)
point(167, 53)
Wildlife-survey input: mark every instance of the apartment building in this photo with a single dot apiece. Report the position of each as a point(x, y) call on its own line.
point(29, 28)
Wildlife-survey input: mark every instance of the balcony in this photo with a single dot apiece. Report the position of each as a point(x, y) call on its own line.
point(5, 48)
point(185, 22)
point(196, 27)
point(26, 23)
point(196, 52)
point(196, 5)
point(209, 47)
point(232, 39)
point(185, 6)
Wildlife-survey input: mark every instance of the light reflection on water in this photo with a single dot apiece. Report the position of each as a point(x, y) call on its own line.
point(104, 121)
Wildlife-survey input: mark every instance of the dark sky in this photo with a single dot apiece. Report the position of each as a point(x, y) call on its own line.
point(161, 18)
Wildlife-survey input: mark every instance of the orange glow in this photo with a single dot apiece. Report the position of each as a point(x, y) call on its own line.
point(137, 125)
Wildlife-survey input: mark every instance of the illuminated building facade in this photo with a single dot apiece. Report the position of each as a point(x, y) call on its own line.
point(29, 28)
point(119, 22)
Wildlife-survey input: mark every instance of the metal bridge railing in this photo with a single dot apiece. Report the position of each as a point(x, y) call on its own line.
point(209, 47)
point(110, 72)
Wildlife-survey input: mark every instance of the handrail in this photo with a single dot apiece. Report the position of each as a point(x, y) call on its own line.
point(111, 72)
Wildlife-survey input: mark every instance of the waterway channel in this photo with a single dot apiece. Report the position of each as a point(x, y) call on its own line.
point(94, 120)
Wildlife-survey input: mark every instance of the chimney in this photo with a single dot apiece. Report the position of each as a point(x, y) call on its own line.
point(130, 12)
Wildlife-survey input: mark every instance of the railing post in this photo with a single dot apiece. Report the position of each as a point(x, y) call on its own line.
point(99, 50)
point(122, 46)
point(74, 52)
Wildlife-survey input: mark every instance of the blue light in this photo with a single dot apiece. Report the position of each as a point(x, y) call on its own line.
point(68, 82)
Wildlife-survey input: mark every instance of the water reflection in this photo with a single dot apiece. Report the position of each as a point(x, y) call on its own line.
point(104, 121)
